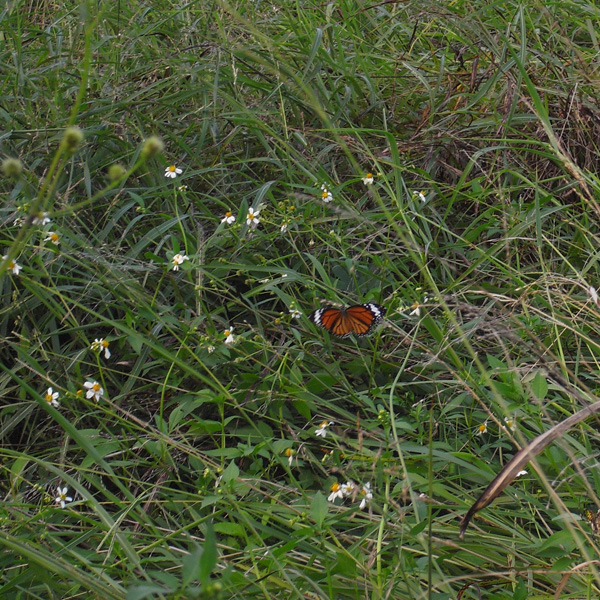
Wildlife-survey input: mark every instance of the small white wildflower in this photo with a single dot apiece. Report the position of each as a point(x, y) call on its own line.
point(420, 195)
point(348, 488)
point(101, 344)
point(210, 349)
point(229, 218)
point(290, 453)
point(228, 333)
point(41, 218)
point(481, 429)
point(94, 390)
point(284, 227)
point(62, 497)
point(511, 423)
point(336, 492)
point(368, 179)
point(594, 295)
point(51, 397)
point(521, 473)
point(182, 188)
point(252, 218)
point(172, 171)
point(264, 280)
point(12, 265)
point(52, 237)
point(321, 431)
point(326, 195)
point(19, 222)
point(416, 307)
point(366, 496)
point(178, 260)
point(296, 314)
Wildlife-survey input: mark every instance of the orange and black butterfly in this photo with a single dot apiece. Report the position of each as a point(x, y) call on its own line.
point(358, 320)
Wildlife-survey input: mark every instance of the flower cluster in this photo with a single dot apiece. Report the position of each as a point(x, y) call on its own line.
point(351, 490)
point(510, 424)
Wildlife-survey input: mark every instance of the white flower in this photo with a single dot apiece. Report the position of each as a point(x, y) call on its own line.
point(416, 307)
point(284, 227)
point(321, 431)
point(252, 218)
point(420, 195)
point(368, 179)
point(52, 237)
point(19, 222)
point(481, 429)
point(229, 218)
point(172, 171)
point(511, 423)
point(366, 495)
point(336, 492)
point(12, 265)
point(326, 195)
point(93, 390)
point(178, 260)
point(182, 188)
point(210, 349)
point(264, 280)
point(594, 295)
point(296, 314)
point(51, 397)
point(41, 219)
point(228, 333)
point(348, 488)
point(289, 452)
point(521, 473)
point(101, 344)
point(62, 497)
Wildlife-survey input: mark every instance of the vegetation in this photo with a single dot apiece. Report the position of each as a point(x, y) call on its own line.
point(222, 445)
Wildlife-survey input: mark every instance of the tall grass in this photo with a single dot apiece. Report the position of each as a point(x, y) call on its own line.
point(198, 472)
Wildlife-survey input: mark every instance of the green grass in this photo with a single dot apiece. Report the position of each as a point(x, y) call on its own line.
point(181, 476)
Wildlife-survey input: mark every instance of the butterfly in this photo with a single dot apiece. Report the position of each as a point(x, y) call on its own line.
point(593, 518)
point(358, 319)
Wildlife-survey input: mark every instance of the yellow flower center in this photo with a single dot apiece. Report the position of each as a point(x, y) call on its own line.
point(325, 194)
point(228, 214)
point(96, 387)
point(227, 333)
point(104, 343)
point(48, 398)
point(54, 238)
point(369, 175)
point(289, 452)
point(172, 168)
point(11, 264)
point(483, 428)
point(335, 487)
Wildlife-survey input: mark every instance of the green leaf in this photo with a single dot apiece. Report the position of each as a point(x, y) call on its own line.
point(319, 507)
point(539, 386)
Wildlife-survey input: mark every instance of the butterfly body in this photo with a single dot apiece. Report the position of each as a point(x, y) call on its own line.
point(358, 320)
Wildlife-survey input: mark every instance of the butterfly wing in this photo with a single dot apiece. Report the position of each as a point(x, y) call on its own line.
point(329, 318)
point(358, 319)
point(363, 317)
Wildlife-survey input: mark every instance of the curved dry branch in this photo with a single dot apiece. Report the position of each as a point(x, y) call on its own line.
point(521, 458)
